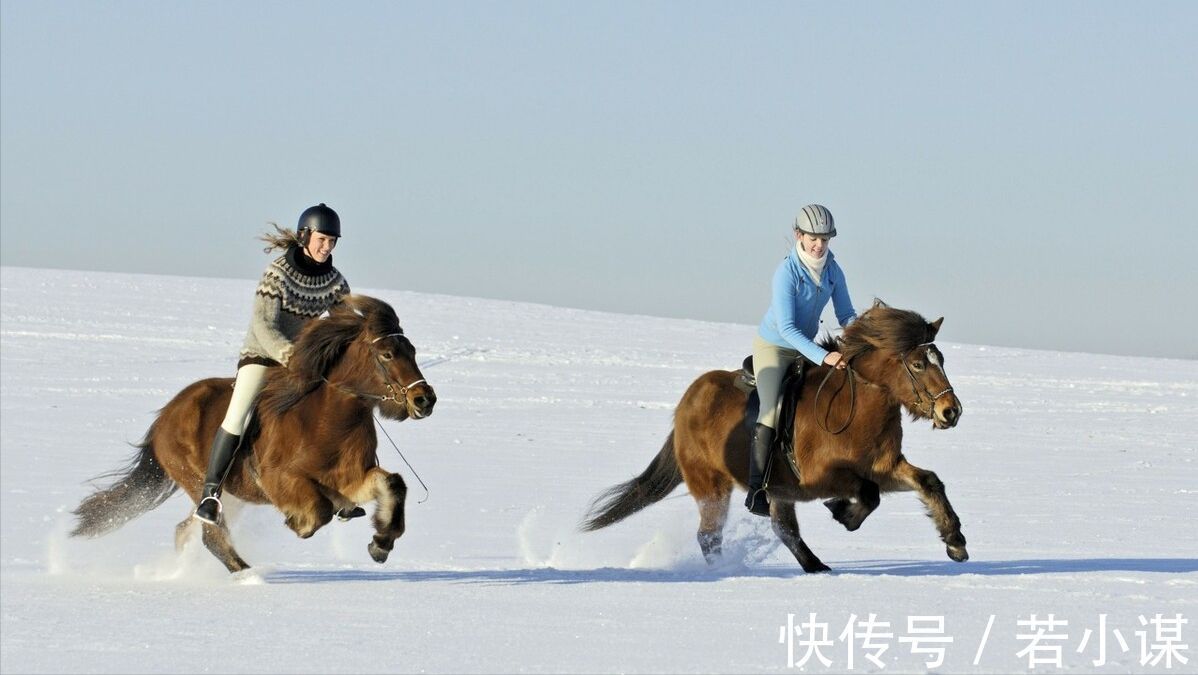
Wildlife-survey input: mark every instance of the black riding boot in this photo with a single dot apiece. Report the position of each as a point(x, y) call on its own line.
point(224, 446)
point(759, 456)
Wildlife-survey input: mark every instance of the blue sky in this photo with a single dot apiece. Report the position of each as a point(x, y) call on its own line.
point(1027, 170)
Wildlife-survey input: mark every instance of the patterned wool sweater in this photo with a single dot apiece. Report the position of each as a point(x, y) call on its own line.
point(294, 290)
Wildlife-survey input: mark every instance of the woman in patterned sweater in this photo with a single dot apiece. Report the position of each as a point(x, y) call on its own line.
point(297, 287)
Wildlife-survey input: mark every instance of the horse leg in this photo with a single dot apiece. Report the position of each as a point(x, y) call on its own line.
point(182, 530)
point(304, 503)
point(851, 512)
point(711, 489)
point(931, 491)
point(217, 541)
point(713, 513)
point(389, 491)
point(786, 526)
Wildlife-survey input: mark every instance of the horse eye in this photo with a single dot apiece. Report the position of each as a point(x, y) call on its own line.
point(387, 356)
point(917, 365)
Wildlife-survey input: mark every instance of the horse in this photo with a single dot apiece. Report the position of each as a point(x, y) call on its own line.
point(310, 447)
point(847, 440)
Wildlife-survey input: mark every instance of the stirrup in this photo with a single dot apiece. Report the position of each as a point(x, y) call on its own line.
point(204, 516)
point(756, 507)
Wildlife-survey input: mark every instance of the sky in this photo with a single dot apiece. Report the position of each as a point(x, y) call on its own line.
point(1029, 171)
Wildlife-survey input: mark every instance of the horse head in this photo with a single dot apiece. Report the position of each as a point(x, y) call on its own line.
point(897, 349)
point(393, 370)
point(361, 349)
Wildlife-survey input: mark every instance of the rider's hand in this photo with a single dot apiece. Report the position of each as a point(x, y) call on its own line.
point(836, 360)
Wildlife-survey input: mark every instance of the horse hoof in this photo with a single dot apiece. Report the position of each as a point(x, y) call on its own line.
point(840, 513)
point(836, 505)
point(958, 553)
point(817, 569)
point(293, 524)
point(377, 552)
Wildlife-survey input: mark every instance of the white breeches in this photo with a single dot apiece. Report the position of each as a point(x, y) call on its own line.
point(250, 380)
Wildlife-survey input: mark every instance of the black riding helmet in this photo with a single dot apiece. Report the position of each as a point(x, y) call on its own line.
point(319, 218)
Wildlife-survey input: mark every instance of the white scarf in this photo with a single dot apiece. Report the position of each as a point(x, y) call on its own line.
point(814, 265)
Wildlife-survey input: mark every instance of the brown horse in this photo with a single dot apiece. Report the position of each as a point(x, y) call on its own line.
point(310, 450)
point(847, 439)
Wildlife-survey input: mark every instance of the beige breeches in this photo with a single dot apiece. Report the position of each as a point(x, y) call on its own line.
point(250, 380)
point(770, 363)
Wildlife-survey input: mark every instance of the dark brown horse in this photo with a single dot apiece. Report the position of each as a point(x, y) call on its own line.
point(892, 365)
point(310, 450)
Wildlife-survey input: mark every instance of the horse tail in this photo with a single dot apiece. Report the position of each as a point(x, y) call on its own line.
point(655, 482)
point(141, 487)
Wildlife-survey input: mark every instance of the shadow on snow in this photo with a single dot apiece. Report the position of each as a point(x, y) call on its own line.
point(914, 568)
point(905, 568)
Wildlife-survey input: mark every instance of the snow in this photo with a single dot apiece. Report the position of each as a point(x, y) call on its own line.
point(1073, 474)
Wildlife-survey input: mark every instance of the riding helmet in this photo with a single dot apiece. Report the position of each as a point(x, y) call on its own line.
point(815, 220)
point(319, 218)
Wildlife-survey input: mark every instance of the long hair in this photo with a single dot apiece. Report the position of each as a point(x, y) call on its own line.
point(282, 239)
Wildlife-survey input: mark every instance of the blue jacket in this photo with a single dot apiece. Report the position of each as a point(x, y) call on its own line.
point(792, 320)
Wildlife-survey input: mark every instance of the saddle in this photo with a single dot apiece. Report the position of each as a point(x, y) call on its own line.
point(791, 390)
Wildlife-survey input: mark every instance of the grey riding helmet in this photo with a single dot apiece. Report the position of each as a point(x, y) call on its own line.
point(816, 221)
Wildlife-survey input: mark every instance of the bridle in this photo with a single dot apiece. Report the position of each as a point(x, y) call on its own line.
point(924, 402)
point(926, 409)
point(397, 392)
point(395, 389)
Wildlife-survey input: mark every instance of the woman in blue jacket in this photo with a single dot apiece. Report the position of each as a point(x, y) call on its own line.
point(803, 284)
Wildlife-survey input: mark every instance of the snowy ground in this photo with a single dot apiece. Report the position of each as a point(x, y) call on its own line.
point(1073, 474)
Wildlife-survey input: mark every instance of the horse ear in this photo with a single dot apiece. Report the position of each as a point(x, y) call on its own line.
point(934, 328)
point(878, 303)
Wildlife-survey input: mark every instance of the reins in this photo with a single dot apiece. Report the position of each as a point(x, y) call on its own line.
point(926, 407)
point(851, 379)
point(403, 390)
point(405, 459)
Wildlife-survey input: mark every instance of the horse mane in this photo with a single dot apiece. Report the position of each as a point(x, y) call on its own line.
point(321, 344)
point(884, 328)
point(830, 343)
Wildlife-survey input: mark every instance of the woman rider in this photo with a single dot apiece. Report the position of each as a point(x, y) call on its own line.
point(803, 284)
point(297, 287)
